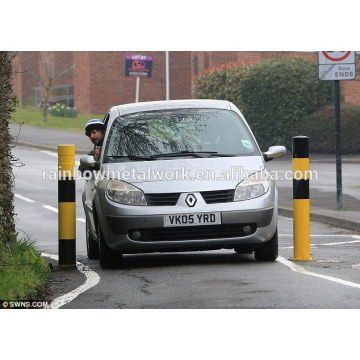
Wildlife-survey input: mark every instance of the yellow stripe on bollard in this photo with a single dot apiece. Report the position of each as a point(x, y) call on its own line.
point(67, 220)
point(301, 229)
point(66, 160)
point(301, 168)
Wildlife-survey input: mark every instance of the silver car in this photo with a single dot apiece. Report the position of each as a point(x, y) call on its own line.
point(179, 175)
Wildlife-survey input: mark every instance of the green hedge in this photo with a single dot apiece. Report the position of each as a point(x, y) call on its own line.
point(277, 94)
point(319, 127)
point(222, 83)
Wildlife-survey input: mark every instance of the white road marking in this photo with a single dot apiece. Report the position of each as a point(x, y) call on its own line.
point(341, 243)
point(24, 198)
point(327, 244)
point(327, 235)
point(301, 270)
point(51, 153)
point(48, 207)
point(55, 154)
point(92, 279)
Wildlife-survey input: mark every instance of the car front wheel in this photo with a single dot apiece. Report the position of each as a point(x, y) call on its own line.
point(92, 247)
point(269, 250)
point(108, 257)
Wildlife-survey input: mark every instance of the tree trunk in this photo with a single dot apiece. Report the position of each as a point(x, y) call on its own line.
point(45, 109)
point(7, 106)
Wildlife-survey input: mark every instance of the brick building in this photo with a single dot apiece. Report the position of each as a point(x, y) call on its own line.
point(95, 81)
point(98, 78)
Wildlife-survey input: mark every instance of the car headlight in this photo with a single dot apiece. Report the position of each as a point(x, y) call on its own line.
point(257, 184)
point(124, 193)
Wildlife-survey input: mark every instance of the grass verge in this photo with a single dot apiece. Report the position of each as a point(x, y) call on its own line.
point(33, 117)
point(23, 272)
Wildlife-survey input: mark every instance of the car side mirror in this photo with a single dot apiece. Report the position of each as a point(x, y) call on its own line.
point(89, 162)
point(274, 152)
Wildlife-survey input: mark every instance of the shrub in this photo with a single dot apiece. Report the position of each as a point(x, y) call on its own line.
point(62, 110)
point(319, 127)
point(70, 112)
point(277, 94)
point(23, 272)
point(221, 83)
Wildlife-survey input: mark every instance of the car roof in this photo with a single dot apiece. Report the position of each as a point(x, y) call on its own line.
point(170, 104)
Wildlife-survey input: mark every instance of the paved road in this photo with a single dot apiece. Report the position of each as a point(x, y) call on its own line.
point(218, 279)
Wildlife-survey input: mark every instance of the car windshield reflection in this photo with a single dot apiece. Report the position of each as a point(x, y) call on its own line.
point(179, 133)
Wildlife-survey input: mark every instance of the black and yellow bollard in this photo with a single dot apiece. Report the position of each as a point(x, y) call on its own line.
point(301, 198)
point(67, 210)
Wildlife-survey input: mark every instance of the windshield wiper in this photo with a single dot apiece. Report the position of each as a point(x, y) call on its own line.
point(199, 154)
point(224, 155)
point(130, 157)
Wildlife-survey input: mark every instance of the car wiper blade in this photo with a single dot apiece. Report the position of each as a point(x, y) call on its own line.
point(184, 153)
point(224, 155)
point(130, 157)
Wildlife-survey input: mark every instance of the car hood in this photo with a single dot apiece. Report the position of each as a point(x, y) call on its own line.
point(181, 175)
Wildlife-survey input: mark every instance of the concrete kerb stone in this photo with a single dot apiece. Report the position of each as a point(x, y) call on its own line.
point(324, 218)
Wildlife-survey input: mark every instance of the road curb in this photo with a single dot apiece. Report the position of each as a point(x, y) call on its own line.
point(325, 219)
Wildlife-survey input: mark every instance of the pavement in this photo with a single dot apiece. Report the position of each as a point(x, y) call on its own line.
point(322, 201)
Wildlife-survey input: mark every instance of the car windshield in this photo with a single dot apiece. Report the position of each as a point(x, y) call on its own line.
point(176, 133)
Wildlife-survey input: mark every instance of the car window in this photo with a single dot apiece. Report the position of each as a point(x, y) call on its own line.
point(191, 130)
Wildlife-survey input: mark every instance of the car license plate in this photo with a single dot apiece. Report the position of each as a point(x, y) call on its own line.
point(192, 219)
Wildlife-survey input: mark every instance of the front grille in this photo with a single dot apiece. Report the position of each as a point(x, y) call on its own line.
point(192, 232)
point(210, 197)
point(219, 196)
point(169, 199)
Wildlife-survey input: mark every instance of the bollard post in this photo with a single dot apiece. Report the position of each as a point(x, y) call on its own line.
point(66, 208)
point(301, 198)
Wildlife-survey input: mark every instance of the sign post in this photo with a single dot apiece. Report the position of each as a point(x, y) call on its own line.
point(138, 65)
point(337, 65)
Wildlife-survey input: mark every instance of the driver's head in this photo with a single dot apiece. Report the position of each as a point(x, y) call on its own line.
point(95, 129)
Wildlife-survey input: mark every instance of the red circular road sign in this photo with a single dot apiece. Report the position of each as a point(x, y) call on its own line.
point(335, 58)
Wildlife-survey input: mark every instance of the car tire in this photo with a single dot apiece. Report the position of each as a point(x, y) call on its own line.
point(269, 250)
point(92, 246)
point(108, 257)
point(244, 249)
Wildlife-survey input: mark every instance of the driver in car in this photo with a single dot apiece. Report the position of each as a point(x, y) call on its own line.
point(94, 130)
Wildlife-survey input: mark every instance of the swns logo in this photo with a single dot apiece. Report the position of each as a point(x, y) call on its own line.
point(20, 304)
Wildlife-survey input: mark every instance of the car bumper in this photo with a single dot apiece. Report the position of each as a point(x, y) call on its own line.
point(120, 232)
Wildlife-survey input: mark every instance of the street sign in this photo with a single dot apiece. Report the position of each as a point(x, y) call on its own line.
point(336, 65)
point(138, 65)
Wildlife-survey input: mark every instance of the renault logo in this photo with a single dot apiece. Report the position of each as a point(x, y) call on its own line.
point(190, 200)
